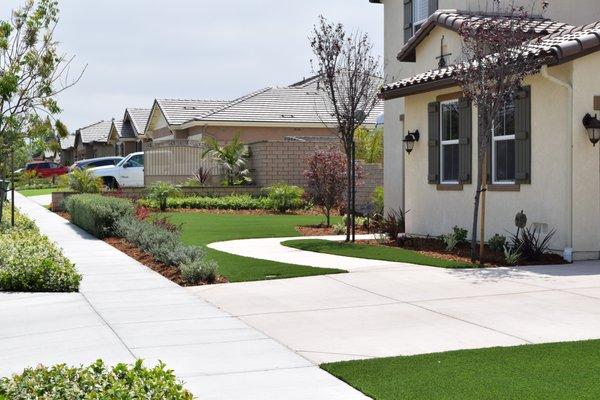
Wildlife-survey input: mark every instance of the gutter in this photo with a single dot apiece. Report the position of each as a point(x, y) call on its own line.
point(568, 253)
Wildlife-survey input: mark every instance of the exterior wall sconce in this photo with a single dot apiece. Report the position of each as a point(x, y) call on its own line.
point(410, 139)
point(592, 124)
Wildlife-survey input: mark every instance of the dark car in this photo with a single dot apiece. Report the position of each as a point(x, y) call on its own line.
point(46, 169)
point(96, 162)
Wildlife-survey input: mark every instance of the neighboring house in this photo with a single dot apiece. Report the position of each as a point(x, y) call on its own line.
point(67, 150)
point(128, 135)
point(403, 18)
point(92, 141)
point(274, 113)
point(542, 160)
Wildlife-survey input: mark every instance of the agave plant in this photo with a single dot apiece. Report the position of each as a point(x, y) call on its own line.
point(232, 157)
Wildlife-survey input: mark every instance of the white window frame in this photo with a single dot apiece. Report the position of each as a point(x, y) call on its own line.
point(495, 140)
point(414, 12)
point(445, 142)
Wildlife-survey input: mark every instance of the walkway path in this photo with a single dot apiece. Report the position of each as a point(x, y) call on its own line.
point(387, 309)
point(125, 311)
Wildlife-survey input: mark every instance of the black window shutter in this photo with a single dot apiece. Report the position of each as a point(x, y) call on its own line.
point(523, 135)
point(434, 143)
point(408, 20)
point(433, 6)
point(465, 122)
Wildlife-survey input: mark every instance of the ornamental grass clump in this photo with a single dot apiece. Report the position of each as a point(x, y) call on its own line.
point(96, 381)
point(29, 262)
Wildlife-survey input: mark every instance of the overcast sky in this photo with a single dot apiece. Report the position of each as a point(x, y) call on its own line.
point(138, 50)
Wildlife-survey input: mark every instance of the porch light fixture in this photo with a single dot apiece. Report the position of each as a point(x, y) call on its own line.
point(592, 124)
point(410, 139)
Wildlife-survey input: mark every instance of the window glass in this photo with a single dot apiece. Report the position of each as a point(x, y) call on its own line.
point(449, 121)
point(505, 160)
point(136, 161)
point(503, 147)
point(449, 131)
point(42, 165)
point(450, 157)
point(420, 12)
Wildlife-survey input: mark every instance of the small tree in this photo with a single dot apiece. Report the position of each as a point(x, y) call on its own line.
point(369, 145)
point(326, 179)
point(350, 77)
point(232, 157)
point(490, 73)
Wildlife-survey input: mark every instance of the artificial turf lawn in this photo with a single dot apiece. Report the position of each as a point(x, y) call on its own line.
point(39, 192)
point(546, 371)
point(204, 228)
point(374, 252)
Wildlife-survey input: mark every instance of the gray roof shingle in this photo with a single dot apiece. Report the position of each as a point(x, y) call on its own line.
point(139, 119)
point(67, 142)
point(178, 111)
point(97, 132)
point(124, 129)
point(554, 48)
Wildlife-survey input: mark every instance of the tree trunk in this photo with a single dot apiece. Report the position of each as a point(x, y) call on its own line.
point(328, 217)
point(348, 194)
point(483, 196)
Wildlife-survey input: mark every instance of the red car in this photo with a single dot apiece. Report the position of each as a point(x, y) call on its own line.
point(47, 169)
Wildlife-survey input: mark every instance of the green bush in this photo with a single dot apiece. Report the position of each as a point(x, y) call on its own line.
point(283, 197)
point(497, 243)
point(96, 381)
point(29, 262)
point(194, 272)
point(377, 198)
point(160, 192)
point(84, 181)
point(97, 214)
point(232, 202)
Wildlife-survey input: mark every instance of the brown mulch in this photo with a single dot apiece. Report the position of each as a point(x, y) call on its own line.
point(322, 230)
point(170, 273)
point(434, 247)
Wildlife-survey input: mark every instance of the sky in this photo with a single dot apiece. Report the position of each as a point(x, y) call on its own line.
point(139, 50)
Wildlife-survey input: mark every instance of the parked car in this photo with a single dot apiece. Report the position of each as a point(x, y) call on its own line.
point(46, 169)
point(129, 172)
point(96, 162)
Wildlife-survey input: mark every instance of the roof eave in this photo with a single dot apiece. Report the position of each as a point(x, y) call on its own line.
point(418, 88)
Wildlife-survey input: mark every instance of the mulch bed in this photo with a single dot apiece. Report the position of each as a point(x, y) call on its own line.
point(322, 230)
point(434, 247)
point(170, 273)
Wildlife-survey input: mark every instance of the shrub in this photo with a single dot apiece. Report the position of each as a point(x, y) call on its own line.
point(338, 229)
point(29, 262)
point(98, 214)
point(96, 381)
point(530, 243)
point(194, 272)
point(511, 255)
point(283, 197)
point(497, 243)
point(232, 202)
point(393, 224)
point(377, 198)
point(232, 158)
point(84, 181)
point(160, 192)
point(450, 241)
point(461, 235)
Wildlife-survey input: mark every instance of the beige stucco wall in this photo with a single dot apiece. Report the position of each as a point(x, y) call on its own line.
point(250, 134)
point(545, 200)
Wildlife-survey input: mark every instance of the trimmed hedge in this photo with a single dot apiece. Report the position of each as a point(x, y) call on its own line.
point(97, 381)
point(231, 202)
point(29, 262)
point(98, 214)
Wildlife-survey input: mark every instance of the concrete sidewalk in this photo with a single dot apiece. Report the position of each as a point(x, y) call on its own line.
point(385, 309)
point(126, 311)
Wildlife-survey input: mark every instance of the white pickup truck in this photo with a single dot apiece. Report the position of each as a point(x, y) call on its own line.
point(127, 173)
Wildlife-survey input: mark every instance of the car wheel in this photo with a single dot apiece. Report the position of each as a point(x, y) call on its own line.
point(110, 183)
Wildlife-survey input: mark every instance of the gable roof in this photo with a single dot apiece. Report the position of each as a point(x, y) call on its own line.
point(553, 49)
point(97, 132)
point(178, 111)
point(300, 103)
point(67, 142)
point(138, 117)
point(454, 20)
point(123, 129)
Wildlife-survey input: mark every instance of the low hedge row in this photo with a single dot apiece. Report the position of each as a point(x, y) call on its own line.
point(29, 262)
point(98, 214)
point(96, 381)
point(231, 202)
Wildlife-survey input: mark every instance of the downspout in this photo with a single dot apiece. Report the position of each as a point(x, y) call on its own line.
point(568, 251)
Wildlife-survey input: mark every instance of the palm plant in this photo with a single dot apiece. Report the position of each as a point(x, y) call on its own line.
point(161, 191)
point(232, 157)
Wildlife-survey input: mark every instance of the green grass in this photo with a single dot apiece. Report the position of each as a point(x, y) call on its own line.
point(546, 371)
point(374, 252)
point(204, 228)
point(39, 192)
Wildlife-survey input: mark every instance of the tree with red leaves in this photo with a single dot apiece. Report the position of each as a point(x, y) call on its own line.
point(490, 73)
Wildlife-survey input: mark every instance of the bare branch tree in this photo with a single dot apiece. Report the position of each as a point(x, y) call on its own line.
point(490, 73)
point(350, 76)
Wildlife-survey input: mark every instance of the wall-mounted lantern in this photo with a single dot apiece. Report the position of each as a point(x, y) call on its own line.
point(592, 124)
point(410, 139)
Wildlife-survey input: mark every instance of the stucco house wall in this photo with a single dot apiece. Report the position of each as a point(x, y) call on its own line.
point(249, 134)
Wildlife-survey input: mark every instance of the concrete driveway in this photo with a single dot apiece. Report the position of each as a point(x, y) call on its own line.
point(390, 309)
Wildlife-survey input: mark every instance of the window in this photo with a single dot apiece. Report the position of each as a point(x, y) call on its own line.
point(449, 149)
point(503, 147)
point(420, 13)
point(136, 161)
